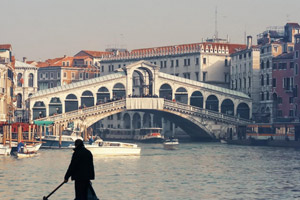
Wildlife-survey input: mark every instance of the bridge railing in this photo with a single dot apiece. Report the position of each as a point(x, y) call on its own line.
point(204, 112)
point(85, 111)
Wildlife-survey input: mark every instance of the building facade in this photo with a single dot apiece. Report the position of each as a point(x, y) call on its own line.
point(245, 74)
point(26, 85)
point(6, 83)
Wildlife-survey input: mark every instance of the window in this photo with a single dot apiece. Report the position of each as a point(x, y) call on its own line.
point(187, 75)
point(65, 74)
point(249, 78)
point(262, 96)
point(172, 63)
point(274, 65)
point(268, 64)
point(197, 76)
point(46, 75)
point(282, 65)
point(112, 68)
point(102, 68)
point(291, 65)
point(291, 99)
point(165, 64)
point(51, 75)
point(262, 80)
point(58, 74)
point(119, 116)
point(249, 54)
point(41, 75)
point(279, 100)
point(81, 75)
point(245, 82)
point(279, 113)
point(262, 65)
point(204, 76)
point(296, 69)
point(274, 82)
point(268, 81)
point(226, 62)
point(291, 113)
point(119, 66)
point(177, 63)
point(297, 54)
point(204, 60)
point(86, 75)
point(161, 64)
point(73, 75)
point(267, 96)
point(197, 61)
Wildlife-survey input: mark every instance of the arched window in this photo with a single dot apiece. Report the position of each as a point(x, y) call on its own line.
point(262, 80)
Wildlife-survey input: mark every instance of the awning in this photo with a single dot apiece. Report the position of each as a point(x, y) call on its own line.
point(42, 123)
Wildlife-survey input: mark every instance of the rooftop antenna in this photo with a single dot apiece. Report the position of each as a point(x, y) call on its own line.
point(216, 22)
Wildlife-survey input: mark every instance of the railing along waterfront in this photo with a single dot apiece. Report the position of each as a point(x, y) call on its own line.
point(197, 111)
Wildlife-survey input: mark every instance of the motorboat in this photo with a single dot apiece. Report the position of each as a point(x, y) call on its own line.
point(171, 144)
point(5, 150)
point(66, 140)
point(28, 150)
point(150, 135)
point(112, 148)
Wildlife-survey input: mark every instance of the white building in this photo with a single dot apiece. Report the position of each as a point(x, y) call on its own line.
point(245, 74)
point(26, 85)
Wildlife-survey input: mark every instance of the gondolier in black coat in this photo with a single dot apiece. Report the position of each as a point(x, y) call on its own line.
point(81, 169)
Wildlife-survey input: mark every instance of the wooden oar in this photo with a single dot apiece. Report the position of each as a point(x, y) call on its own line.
point(45, 198)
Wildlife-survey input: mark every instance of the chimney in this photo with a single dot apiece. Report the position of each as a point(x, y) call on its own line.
point(24, 59)
point(249, 42)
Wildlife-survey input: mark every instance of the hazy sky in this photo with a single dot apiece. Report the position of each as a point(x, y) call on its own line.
point(41, 29)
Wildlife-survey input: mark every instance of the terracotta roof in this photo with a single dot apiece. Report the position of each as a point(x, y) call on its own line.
point(81, 57)
point(188, 47)
point(5, 46)
point(97, 53)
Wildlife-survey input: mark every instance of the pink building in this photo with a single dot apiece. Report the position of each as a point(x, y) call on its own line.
point(285, 83)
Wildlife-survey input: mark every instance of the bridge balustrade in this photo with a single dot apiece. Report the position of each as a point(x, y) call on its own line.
point(203, 112)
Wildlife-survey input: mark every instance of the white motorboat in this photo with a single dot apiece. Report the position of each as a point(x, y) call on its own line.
point(66, 141)
point(5, 150)
point(28, 150)
point(108, 148)
point(171, 144)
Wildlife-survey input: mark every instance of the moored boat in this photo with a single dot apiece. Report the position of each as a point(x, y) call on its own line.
point(150, 135)
point(109, 148)
point(171, 144)
point(66, 140)
point(5, 150)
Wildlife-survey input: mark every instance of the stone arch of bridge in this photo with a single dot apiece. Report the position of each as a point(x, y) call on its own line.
point(194, 128)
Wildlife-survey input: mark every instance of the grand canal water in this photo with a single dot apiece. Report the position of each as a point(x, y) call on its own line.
point(195, 171)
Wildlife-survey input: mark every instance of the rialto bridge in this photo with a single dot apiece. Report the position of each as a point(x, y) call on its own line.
point(202, 110)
